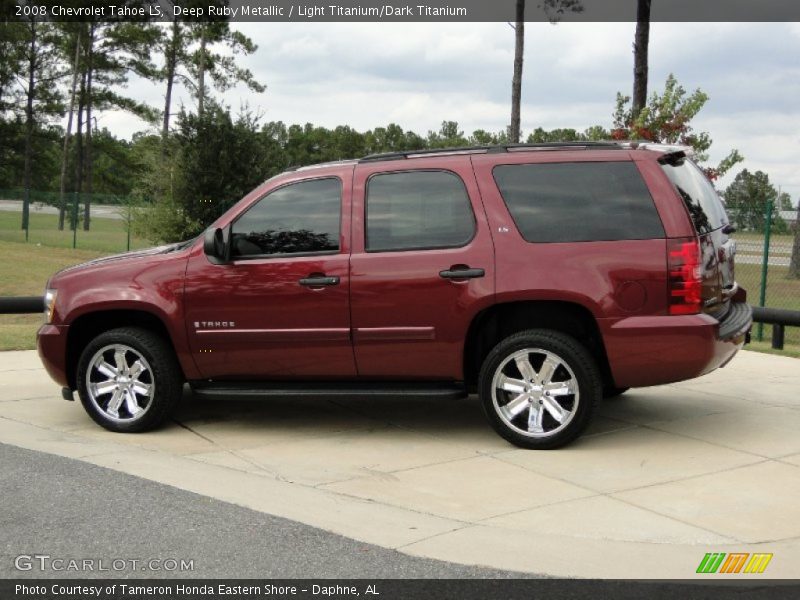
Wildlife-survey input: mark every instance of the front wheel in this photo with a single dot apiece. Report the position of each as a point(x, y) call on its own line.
point(538, 388)
point(128, 379)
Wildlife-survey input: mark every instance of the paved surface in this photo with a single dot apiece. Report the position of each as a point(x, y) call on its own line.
point(117, 517)
point(663, 476)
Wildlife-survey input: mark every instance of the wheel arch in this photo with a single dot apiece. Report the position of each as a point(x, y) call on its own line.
point(89, 325)
point(499, 321)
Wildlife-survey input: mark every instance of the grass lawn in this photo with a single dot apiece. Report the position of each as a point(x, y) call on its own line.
point(24, 270)
point(106, 235)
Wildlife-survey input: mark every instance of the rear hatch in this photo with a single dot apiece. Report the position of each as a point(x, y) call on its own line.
point(717, 248)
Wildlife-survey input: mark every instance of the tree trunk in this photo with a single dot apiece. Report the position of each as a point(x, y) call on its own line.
point(640, 61)
point(794, 263)
point(87, 206)
point(79, 151)
point(201, 74)
point(26, 202)
point(171, 59)
point(62, 202)
point(516, 81)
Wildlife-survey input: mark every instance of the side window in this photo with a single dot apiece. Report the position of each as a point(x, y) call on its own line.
point(298, 218)
point(579, 202)
point(417, 210)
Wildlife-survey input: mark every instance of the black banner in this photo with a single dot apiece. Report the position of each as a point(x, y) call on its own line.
point(392, 589)
point(408, 11)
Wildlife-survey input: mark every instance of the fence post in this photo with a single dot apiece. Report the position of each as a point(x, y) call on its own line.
point(130, 207)
point(765, 265)
point(75, 220)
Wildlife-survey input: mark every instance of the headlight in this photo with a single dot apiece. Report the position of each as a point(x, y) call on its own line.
point(49, 305)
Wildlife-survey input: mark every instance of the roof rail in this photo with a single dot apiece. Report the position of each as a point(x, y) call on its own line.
point(490, 149)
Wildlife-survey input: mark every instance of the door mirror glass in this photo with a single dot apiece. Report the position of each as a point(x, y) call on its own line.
point(216, 244)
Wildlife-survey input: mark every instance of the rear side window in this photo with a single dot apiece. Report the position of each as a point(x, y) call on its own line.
point(578, 202)
point(698, 194)
point(417, 210)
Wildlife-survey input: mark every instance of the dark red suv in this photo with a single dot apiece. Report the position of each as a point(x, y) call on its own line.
point(542, 276)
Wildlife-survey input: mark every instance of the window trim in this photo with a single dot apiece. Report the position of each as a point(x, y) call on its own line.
point(248, 257)
point(460, 179)
point(579, 162)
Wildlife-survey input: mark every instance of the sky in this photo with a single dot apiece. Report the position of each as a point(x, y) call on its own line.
point(419, 74)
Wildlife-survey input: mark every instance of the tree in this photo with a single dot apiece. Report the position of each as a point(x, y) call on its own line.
point(667, 119)
point(448, 136)
point(188, 58)
point(41, 71)
point(554, 11)
point(215, 161)
point(784, 201)
point(516, 80)
point(641, 44)
point(747, 198)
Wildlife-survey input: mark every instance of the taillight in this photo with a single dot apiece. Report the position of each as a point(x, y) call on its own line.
point(685, 282)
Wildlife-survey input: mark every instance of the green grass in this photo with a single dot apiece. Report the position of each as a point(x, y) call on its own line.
point(106, 235)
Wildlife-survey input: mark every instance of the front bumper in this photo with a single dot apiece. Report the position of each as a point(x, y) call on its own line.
point(51, 342)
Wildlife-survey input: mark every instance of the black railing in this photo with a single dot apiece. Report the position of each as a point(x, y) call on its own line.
point(20, 305)
point(779, 318)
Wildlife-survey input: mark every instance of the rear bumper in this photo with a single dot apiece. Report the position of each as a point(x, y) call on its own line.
point(51, 342)
point(644, 351)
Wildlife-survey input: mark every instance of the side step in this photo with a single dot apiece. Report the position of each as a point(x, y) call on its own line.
point(316, 389)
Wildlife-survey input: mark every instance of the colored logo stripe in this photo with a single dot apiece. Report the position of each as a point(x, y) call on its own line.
point(758, 563)
point(735, 561)
point(711, 562)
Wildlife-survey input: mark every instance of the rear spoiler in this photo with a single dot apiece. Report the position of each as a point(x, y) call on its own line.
point(673, 158)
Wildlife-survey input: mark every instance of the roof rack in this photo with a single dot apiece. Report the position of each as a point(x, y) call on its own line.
point(497, 148)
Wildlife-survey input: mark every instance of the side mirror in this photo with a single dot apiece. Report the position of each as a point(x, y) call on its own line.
point(216, 245)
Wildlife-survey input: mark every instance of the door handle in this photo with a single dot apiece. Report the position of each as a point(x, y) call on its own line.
point(463, 273)
point(321, 281)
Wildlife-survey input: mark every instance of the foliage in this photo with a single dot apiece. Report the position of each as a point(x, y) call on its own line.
point(214, 161)
point(747, 199)
point(666, 118)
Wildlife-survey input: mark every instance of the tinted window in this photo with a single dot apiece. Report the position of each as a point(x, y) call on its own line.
point(698, 194)
point(579, 202)
point(417, 209)
point(299, 218)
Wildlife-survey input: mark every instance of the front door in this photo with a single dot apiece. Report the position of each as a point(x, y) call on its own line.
point(280, 308)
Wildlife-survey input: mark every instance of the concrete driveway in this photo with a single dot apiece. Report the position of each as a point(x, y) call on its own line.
point(663, 476)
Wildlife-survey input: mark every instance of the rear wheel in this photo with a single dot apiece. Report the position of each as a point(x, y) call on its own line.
point(129, 380)
point(538, 388)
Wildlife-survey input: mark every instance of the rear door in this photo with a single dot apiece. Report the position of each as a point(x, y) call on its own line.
point(422, 266)
point(708, 216)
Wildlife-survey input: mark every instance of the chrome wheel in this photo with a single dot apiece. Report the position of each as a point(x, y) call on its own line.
point(535, 393)
point(119, 383)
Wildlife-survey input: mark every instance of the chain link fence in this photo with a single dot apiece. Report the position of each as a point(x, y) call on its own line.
point(110, 220)
point(768, 267)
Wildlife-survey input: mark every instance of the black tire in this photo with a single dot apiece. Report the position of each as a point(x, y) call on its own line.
point(613, 392)
point(576, 370)
point(157, 372)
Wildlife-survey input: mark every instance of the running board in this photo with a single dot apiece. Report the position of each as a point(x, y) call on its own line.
point(367, 389)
